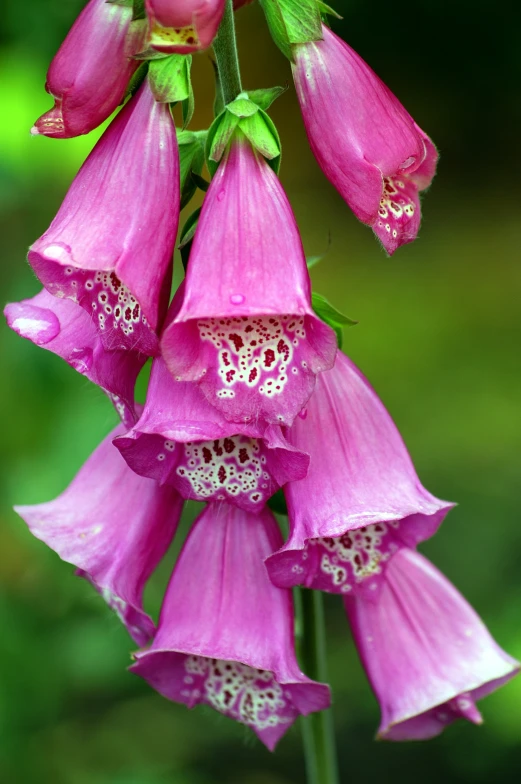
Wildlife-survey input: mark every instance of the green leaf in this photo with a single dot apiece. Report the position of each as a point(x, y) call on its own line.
point(138, 10)
point(149, 54)
point(293, 22)
point(187, 236)
point(191, 161)
point(169, 78)
point(188, 105)
point(331, 315)
point(265, 97)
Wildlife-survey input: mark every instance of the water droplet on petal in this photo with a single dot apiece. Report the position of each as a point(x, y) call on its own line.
point(220, 195)
point(409, 162)
point(303, 414)
point(81, 359)
point(37, 324)
point(237, 299)
point(59, 251)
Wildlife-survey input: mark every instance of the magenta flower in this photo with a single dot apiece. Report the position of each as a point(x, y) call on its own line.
point(182, 440)
point(90, 73)
point(361, 499)
point(110, 248)
point(427, 654)
point(225, 634)
point(245, 330)
point(183, 25)
point(62, 327)
point(115, 527)
point(366, 143)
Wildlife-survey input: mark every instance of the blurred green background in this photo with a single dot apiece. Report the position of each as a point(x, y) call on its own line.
point(439, 335)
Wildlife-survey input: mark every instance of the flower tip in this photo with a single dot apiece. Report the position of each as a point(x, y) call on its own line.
point(34, 131)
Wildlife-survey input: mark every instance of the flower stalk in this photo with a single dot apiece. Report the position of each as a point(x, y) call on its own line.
point(225, 50)
point(317, 729)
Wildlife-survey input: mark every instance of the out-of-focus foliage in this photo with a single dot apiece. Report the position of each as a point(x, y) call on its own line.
point(439, 335)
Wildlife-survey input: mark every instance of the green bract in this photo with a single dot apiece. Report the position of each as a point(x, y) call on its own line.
point(245, 115)
point(170, 82)
point(331, 315)
point(191, 161)
point(293, 22)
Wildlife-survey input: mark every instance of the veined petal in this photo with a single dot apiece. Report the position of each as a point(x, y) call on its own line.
point(90, 73)
point(180, 439)
point(361, 499)
point(366, 143)
point(225, 634)
point(245, 331)
point(115, 526)
point(110, 246)
point(427, 654)
point(64, 328)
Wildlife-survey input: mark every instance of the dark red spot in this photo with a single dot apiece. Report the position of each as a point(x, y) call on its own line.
point(253, 375)
point(229, 446)
point(226, 358)
point(128, 314)
point(221, 474)
point(217, 448)
point(358, 560)
point(207, 455)
point(269, 357)
point(116, 283)
point(255, 497)
point(229, 375)
point(243, 455)
point(135, 312)
point(190, 40)
point(249, 328)
point(283, 349)
point(117, 311)
point(253, 343)
point(236, 340)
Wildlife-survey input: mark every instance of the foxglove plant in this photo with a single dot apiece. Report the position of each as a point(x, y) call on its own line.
point(248, 394)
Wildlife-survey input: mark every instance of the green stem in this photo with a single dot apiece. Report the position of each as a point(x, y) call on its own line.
point(317, 728)
point(225, 49)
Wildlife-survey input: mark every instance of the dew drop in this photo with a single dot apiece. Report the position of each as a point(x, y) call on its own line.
point(237, 299)
point(220, 195)
point(37, 324)
point(59, 251)
point(303, 414)
point(81, 359)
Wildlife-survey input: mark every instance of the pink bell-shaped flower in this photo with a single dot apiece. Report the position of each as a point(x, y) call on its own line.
point(225, 634)
point(183, 26)
point(361, 499)
point(243, 328)
point(182, 440)
point(366, 143)
point(90, 73)
point(115, 526)
point(64, 328)
point(427, 655)
point(110, 246)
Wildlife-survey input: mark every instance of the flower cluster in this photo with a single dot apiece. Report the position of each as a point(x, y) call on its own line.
point(248, 394)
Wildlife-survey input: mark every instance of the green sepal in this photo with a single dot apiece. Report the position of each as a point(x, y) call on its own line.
point(188, 105)
point(242, 107)
point(265, 96)
point(169, 78)
point(137, 79)
point(331, 315)
point(293, 22)
point(149, 54)
point(191, 161)
point(246, 116)
point(262, 134)
point(187, 236)
point(219, 134)
point(327, 10)
point(277, 503)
